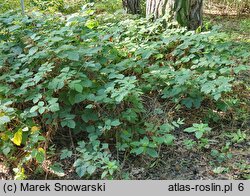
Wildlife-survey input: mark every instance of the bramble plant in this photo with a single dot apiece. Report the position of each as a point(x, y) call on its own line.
point(189, 144)
point(93, 78)
point(198, 129)
point(94, 157)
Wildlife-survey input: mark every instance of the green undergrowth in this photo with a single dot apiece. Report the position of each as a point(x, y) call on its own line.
point(99, 81)
point(237, 28)
point(60, 6)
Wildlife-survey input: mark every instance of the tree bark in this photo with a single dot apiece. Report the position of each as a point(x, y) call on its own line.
point(185, 12)
point(131, 6)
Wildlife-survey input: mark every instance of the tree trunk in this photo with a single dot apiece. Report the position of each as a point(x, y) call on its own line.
point(185, 12)
point(131, 6)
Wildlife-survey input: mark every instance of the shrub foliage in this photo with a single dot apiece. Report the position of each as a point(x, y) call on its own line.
point(94, 79)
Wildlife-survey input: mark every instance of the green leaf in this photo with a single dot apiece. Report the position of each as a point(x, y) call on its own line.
point(57, 169)
point(33, 50)
point(40, 103)
point(137, 151)
point(56, 84)
point(147, 53)
point(6, 151)
point(34, 153)
point(41, 110)
point(169, 139)
point(56, 39)
point(4, 119)
point(214, 153)
point(73, 55)
point(65, 154)
point(78, 87)
point(130, 115)
point(190, 129)
point(40, 156)
point(89, 115)
point(14, 27)
point(115, 123)
point(69, 123)
point(17, 139)
point(166, 128)
point(66, 47)
point(104, 174)
point(79, 162)
point(152, 152)
point(91, 169)
point(145, 141)
point(207, 87)
point(219, 170)
point(91, 23)
point(198, 134)
point(34, 108)
point(54, 107)
point(81, 171)
point(87, 83)
point(188, 102)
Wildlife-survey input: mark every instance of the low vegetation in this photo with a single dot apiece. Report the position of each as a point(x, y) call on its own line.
point(94, 91)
